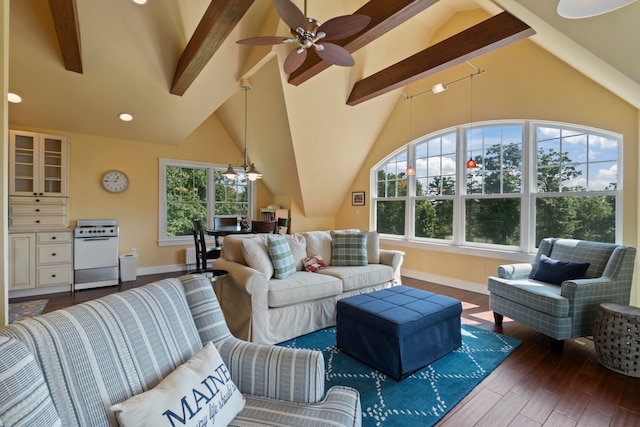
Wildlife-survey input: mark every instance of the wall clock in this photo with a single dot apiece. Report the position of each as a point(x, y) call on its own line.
point(115, 181)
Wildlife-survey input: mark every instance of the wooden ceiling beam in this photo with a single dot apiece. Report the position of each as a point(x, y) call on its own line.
point(385, 15)
point(217, 23)
point(65, 21)
point(494, 33)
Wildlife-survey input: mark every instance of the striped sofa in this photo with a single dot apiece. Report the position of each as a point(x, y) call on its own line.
point(568, 309)
point(70, 366)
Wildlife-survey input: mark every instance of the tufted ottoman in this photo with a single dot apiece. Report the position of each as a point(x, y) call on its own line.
point(398, 330)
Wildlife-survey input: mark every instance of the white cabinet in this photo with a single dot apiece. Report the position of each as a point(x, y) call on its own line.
point(38, 212)
point(22, 257)
point(37, 164)
point(40, 259)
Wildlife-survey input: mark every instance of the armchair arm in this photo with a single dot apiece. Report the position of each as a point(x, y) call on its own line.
point(514, 271)
point(394, 259)
point(294, 375)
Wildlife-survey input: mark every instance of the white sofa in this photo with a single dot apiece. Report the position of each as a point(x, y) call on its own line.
point(76, 366)
point(263, 309)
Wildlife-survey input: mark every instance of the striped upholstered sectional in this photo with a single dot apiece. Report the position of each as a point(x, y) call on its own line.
point(99, 353)
point(567, 310)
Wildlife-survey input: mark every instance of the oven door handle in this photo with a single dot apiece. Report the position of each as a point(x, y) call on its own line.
point(90, 239)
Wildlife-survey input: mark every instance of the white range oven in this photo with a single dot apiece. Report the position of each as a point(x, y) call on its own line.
point(95, 253)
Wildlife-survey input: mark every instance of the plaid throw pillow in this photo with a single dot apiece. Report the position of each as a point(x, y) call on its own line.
point(281, 257)
point(349, 248)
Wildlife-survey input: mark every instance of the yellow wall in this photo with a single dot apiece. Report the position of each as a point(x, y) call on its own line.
point(137, 208)
point(521, 81)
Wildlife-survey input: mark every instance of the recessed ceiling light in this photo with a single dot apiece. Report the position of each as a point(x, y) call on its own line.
point(15, 98)
point(125, 117)
point(139, 1)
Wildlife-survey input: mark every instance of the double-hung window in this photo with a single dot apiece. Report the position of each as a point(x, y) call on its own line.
point(197, 190)
point(531, 180)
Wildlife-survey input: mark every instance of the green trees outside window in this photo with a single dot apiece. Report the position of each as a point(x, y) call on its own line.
point(533, 180)
point(200, 192)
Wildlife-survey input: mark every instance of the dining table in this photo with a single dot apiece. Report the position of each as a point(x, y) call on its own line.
point(225, 230)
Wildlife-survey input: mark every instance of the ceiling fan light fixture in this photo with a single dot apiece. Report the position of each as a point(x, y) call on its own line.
point(577, 9)
point(14, 98)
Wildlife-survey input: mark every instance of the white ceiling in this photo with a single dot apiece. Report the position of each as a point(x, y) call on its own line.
point(130, 53)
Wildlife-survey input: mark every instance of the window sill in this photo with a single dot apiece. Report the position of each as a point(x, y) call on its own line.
point(508, 256)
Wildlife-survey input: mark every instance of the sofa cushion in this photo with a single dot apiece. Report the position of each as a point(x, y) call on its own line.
point(540, 296)
point(319, 243)
point(232, 248)
point(24, 395)
point(198, 393)
point(280, 253)
point(596, 253)
point(349, 248)
point(358, 277)
point(298, 246)
point(302, 286)
point(555, 271)
point(257, 257)
point(373, 247)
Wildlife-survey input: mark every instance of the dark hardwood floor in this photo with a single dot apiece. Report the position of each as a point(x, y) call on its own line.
point(532, 387)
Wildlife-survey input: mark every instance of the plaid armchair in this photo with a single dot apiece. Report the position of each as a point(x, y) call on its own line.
point(567, 309)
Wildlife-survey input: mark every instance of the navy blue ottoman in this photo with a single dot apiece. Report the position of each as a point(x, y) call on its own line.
point(398, 330)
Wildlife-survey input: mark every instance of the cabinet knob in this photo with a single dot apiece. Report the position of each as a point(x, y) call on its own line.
point(53, 275)
point(37, 210)
point(37, 221)
point(37, 200)
point(53, 237)
point(53, 254)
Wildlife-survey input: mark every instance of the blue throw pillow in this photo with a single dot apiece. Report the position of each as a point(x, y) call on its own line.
point(555, 271)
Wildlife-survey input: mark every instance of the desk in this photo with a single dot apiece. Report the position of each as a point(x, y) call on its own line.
point(225, 231)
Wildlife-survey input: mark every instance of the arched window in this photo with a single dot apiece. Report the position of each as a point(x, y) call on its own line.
point(532, 180)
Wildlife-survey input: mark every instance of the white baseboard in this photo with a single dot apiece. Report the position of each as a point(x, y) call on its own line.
point(446, 281)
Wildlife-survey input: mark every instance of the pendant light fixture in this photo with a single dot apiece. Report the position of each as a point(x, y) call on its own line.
point(249, 169)
point(471, 164)
point(410, 169)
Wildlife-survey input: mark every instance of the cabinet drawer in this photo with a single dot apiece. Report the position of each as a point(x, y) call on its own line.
point(26, 200)
point(54, 275)
point(28, 209)
point(54, 237)
point(54, 254)
point(37, 221)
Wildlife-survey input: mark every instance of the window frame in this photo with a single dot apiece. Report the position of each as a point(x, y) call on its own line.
point(163, 163)
point(528, 194)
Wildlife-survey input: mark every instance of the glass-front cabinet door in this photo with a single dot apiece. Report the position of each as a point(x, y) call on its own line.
point(37, 166)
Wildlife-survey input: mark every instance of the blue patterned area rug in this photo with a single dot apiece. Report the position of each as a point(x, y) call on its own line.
point(422, 398)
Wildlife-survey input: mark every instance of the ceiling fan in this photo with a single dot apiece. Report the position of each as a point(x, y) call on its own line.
point(308, 32)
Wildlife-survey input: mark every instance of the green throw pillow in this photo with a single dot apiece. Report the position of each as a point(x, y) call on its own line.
point(349, 248)
point(281, 257)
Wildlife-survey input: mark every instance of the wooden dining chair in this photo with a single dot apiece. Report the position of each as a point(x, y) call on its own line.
point(264, 226)
point(203, 254)
point(284, 226)
point(223, 221)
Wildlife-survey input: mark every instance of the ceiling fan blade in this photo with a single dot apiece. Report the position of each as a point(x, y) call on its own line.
point(345, 26)
point(290, 14)
point(334, 54)
point(264, 40)
point(294, 60)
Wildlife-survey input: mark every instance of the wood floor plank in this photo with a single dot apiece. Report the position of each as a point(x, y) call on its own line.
point(572, 403)
point(559, 420)
point(474, 410)
point(593, 419)
point(504, 411)
point(540, 405)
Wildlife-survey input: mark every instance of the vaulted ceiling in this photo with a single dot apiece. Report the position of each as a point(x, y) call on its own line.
point(172, 64)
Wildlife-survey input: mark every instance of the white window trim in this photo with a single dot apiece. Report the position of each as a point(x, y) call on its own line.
point(528, 195)
point(163, 239)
